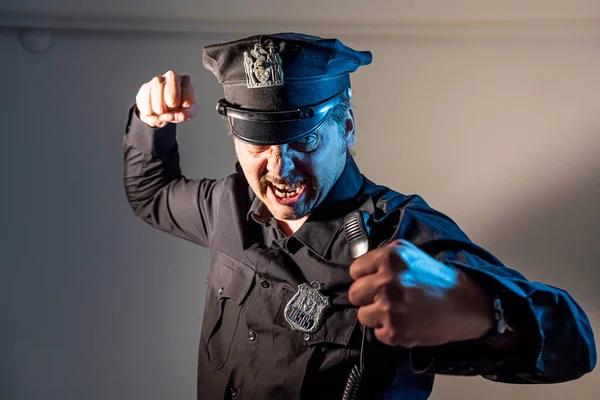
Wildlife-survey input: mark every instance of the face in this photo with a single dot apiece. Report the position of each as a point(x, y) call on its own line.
point(292, 179)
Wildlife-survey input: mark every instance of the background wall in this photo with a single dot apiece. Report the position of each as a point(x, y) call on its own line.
point(489, 112)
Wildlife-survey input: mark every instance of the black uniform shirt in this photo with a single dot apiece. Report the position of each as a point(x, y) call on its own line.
point(248, 350)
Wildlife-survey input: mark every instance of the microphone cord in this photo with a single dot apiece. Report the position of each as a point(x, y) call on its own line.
point(357, 373)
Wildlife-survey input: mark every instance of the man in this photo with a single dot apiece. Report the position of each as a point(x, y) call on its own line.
point(288, 290)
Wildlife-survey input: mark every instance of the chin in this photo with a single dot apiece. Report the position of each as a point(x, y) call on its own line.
point(287, 214)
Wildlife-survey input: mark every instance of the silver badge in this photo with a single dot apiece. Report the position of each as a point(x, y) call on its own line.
point(263, 68)
point(304, 312)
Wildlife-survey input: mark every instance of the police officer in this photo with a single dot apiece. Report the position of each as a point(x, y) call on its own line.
point(322, 282)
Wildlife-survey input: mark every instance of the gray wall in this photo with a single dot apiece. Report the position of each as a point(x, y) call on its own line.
point(500, 131)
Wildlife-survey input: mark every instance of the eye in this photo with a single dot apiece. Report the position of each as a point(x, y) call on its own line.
point(254, 149)
point(306, 143)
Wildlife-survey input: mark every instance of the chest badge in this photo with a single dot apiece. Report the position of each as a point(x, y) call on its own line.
point(304, 312)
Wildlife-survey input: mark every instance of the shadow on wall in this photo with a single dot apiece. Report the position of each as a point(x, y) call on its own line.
point(554, 235)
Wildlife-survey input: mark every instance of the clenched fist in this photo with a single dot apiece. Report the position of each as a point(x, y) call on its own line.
point(411, 299)
point(167, 98)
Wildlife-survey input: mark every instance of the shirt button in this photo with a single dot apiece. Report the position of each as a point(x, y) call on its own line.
point(233, 392)
point(220, 291)
point(251, 336)
point(306, 337)
point(265, 284)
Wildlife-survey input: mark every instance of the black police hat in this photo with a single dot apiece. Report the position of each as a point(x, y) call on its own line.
point(281, 87)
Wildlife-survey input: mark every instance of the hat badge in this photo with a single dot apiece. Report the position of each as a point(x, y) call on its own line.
point(263, 68)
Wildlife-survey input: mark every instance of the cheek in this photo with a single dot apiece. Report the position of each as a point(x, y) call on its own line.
point(316, 169)
point(323, 165)
point(254, 168)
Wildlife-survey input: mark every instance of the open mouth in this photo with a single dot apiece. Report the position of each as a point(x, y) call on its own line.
point(287, 194)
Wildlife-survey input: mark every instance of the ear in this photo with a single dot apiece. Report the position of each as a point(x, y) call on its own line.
point(350, 128)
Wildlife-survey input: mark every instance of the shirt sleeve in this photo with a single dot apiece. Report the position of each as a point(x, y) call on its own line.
point(156, 189)
point(555, 338)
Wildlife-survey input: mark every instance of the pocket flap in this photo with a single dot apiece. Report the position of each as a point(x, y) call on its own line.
point(231, 278)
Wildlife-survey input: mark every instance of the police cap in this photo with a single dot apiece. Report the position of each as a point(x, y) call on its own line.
point(280, 87)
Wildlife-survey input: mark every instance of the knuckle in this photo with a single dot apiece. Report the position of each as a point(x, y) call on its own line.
point(393, 254)
point(360, 315)
point(385, 306)
point(352, 271)
point(169, 99)
point(388, 277)
point(391, 289)
point(157, 108)
point(385, 336)
point(158, 80)
point(395, 334)
point(352, 294)
point(384, 257)
point(387, 320)
point(392, 261)
point(386, 281)
point(378, 259)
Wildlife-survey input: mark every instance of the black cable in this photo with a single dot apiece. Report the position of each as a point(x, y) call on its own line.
point(356, 375)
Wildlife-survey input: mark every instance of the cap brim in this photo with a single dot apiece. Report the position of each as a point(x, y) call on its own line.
point(274, 133)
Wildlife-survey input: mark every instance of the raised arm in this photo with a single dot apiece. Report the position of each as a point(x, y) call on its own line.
point(155, 187)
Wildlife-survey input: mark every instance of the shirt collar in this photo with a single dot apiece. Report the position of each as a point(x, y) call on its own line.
point(325, 221)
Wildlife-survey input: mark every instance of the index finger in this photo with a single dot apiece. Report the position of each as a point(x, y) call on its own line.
point(142, 99)
point(367, 264)
point(389, 256)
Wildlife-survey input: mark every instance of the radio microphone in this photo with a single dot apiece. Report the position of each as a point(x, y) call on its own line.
point(358, 240)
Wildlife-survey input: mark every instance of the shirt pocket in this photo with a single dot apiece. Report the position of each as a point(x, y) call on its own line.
point(229, 283)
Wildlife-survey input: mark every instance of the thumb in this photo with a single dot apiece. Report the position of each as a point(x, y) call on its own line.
point(181, 114)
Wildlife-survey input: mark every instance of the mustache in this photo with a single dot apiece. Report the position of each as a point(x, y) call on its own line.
point(266, 180)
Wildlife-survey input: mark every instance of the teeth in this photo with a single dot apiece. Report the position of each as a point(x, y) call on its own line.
point(286, 191)
point(281, 186)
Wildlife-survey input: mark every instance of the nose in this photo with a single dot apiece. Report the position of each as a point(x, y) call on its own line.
point(280, 163)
